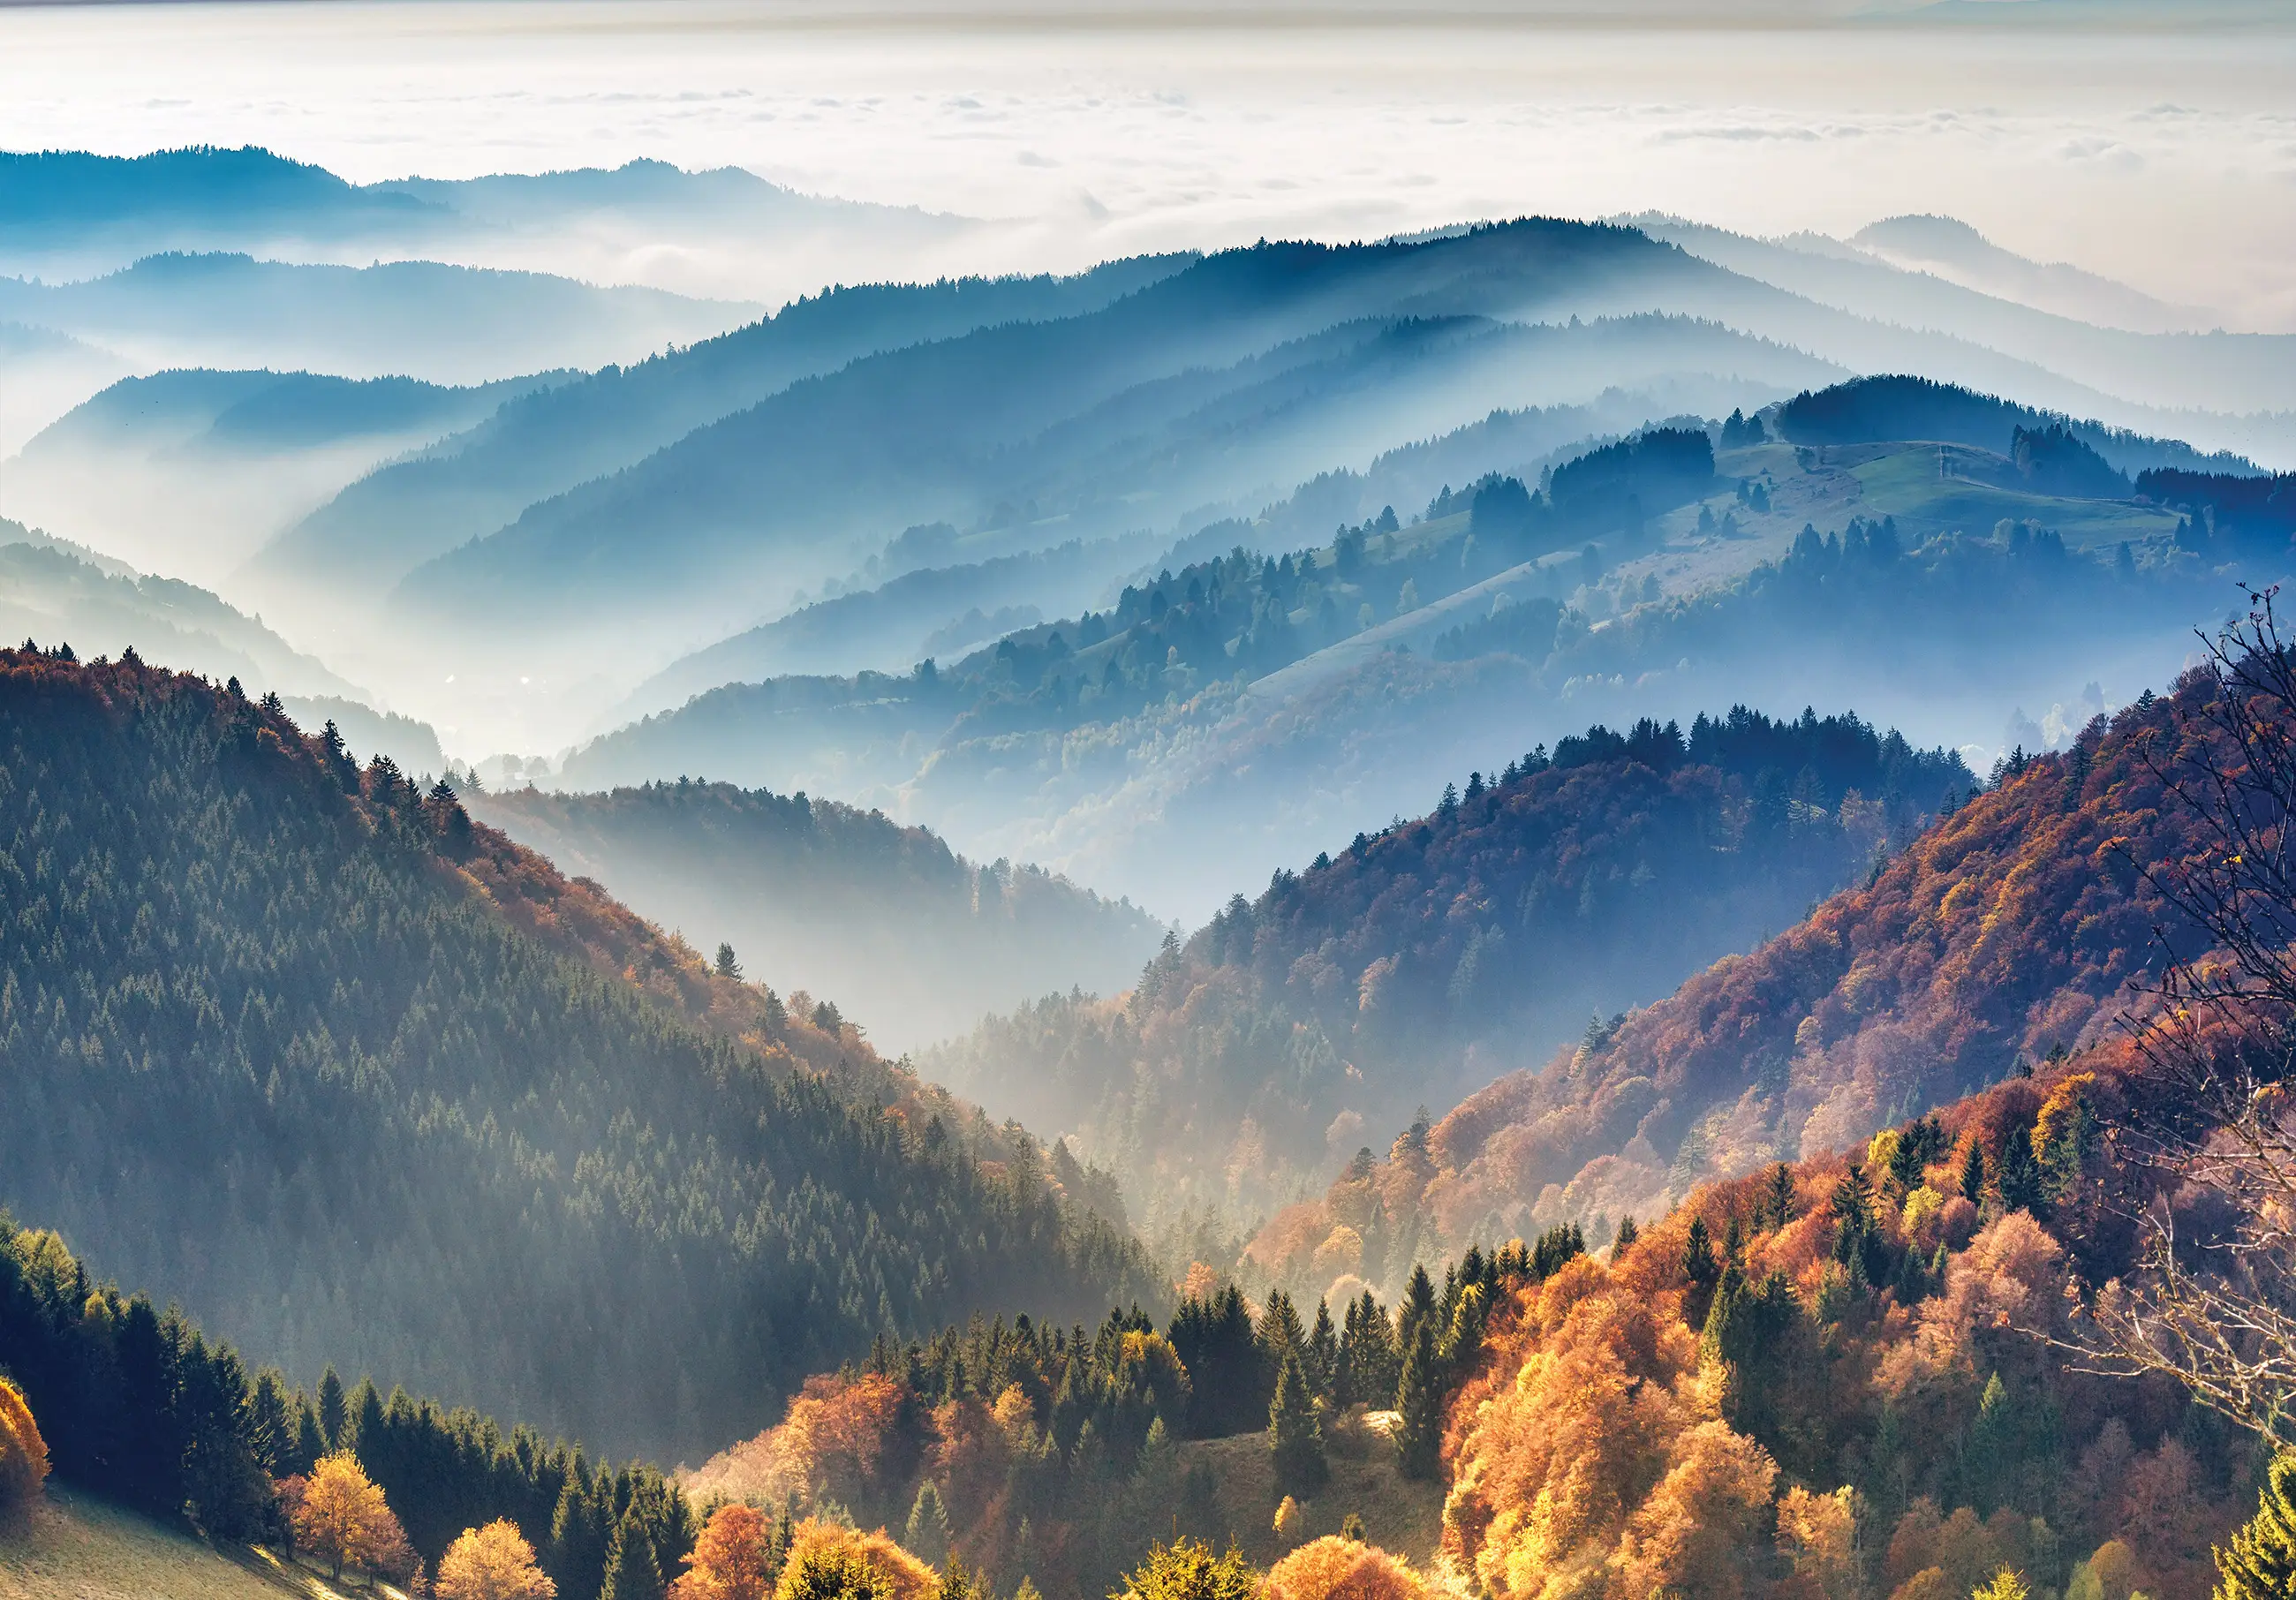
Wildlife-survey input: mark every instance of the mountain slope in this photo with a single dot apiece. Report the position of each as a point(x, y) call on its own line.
point(916, 436)
point(368, 1083)
point(192, 470)
point(1168, 753)
point(1410, 966)
point(886, 921)
point(468, 486)
point(2006, 933)
point(55, 590)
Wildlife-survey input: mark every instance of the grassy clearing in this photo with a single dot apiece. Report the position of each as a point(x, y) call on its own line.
point(1907, 485)
point(1398, 1514)
point(74, 1547)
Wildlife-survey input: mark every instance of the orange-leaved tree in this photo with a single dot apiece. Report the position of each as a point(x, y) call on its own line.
point(733, 1559)
point(493, 1562)
point(23, 1453)
point(1333, 1568)
point(342, 1517)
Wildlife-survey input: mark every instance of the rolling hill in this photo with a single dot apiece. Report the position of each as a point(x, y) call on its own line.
point(467, 487)
point(53, 589)
point(887, 920)
point(190, 471)
point(1410, 966)
point(368, 1083)
point(1921, 568)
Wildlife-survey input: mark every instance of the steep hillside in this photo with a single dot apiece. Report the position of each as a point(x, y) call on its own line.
point(1208, 387)
point(77, 1545)
point(1413, 965)
point(934, 611)
point(368, 1083)
point(2008, 932)
point(890, 922)
point(1838, 1377)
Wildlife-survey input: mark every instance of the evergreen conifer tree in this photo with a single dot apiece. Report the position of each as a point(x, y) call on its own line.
point(1321, 1358)
point(1295, 1433)
point(1418, 1397)
point(365, 1422)
point(1779, 1198)
point(1703, 1271)
point(2260, 1564)
point(631, 1571)
point(1973, 1172)
point(927, 1533)
point(2022, 1183)
point(310, 1440)
point(576, 1561)
point(332, 1413)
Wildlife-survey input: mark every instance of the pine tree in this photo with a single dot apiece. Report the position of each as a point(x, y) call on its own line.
point(2023, 1185)
point(1418, 1397)
point(1703, 1271)
point(366, 1422)
point(1418, 1305)
point(1778, 1199)
point(1295, 1433)
point(310, 1440)
point(927, 1533)
point(2260, 1564)
point(1280, 1331)
point(578, 1540)
point(1628, 1233)
point(632, 1572)
point(1973, 1172)
point(332, 1413)
point(1321, 1359)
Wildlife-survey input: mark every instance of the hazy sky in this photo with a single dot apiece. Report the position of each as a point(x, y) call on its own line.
point(2163, 156)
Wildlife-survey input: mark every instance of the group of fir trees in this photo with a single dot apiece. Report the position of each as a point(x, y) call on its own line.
point(137, 1406)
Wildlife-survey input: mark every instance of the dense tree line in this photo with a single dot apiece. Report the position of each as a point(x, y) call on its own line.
point(1031, 1451)
point(138, 1405)
point(1892, 406)
point(295, 1042)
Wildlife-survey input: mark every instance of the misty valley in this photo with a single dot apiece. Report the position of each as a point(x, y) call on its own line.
point(712, 891)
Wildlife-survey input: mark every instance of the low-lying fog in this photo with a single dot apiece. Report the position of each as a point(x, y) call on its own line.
point(2155, 149)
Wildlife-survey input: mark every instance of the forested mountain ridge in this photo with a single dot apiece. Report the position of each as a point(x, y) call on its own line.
point(1233, 616)
point(1411, 965)
point(53, 588)
point(925, 432)
point(477, 482)
point(366, 1083)
point(2010, 930)
point(905, 933)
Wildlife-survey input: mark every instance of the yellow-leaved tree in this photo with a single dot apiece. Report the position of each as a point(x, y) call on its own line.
point(493, 1562)
point(23, 1453)
point(341, 1516)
